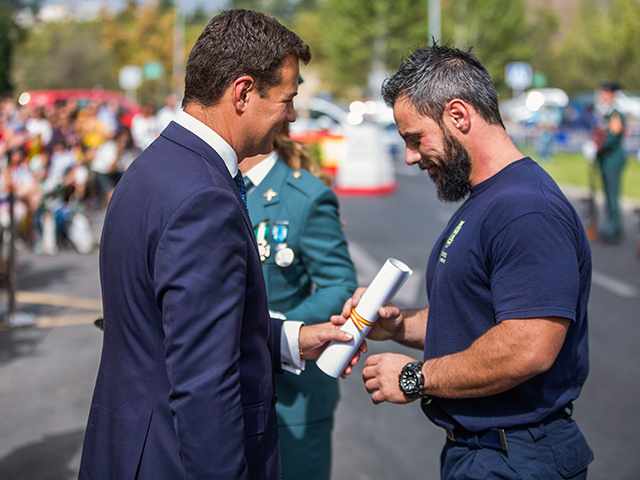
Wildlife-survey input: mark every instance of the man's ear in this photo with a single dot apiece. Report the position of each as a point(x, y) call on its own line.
point(458, 114)
point(241, 89)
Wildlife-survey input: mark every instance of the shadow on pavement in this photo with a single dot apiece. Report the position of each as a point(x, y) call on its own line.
point(48, 459)
point(18, 343)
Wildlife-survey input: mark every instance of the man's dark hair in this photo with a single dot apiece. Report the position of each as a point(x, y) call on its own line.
point(235, 43)
point(432, 76)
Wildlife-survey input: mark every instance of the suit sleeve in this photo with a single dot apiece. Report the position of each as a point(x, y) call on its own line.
point(326, 260)
point(200, 276)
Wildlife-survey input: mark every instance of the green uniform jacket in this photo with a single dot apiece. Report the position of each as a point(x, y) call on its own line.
point(311, 289)
point(611, 152)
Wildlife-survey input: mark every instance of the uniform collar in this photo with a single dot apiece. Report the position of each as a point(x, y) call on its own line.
point(258, 172)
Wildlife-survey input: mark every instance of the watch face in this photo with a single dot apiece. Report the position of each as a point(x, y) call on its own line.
point(409, 381)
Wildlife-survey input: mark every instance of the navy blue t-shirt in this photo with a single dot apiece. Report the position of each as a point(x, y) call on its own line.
point(515, 249)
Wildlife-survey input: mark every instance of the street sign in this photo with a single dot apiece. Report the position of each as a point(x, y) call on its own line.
point(518, 75)
point(152, 70)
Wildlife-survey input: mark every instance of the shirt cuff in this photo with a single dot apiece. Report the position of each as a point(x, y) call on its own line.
point(290, 347)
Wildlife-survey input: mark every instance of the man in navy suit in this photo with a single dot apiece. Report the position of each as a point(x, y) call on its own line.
point(185, 386)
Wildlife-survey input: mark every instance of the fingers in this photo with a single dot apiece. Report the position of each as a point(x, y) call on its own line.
point(339, 335)
point(312, 336)
point(352, 302)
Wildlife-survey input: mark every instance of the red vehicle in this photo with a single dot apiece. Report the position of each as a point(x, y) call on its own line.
point(127, 108)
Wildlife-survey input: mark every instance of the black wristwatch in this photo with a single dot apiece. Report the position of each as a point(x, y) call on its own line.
point(411, 381)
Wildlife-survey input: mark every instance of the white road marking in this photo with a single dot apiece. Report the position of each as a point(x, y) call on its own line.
point(367, 267)
point(613, 285)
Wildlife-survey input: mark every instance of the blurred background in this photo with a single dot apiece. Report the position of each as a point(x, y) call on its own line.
point(86, 85)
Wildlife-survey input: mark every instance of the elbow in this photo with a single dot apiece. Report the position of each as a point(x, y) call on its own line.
point(535, 362)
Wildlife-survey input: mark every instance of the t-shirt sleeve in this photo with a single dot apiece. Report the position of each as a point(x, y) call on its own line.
point(535, 269)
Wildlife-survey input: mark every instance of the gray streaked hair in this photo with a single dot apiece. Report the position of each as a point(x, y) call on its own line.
point(432, 76)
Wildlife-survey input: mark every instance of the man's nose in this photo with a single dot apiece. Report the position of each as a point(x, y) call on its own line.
point(291, 113)
point(411, 156)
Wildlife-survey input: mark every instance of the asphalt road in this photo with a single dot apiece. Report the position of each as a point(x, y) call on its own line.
point(47, 372)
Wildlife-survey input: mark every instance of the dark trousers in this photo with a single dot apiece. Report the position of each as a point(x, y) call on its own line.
point(556, 450)
point(306, 450)
point(611, 181)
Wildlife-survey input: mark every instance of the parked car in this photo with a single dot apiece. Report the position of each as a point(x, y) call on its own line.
point(127, 108)
point(524, 107)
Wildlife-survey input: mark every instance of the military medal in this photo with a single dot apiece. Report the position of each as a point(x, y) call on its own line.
point(261, 231)
point(284, 255)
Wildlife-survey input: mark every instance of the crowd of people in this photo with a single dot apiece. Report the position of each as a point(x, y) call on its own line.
point(58, 158)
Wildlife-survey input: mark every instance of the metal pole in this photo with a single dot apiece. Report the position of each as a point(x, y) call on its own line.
point(178, 49)
point(434, 19)
point(13, 317)
point(11, 263)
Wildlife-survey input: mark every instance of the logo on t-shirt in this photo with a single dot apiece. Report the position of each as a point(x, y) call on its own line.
point(443, 253)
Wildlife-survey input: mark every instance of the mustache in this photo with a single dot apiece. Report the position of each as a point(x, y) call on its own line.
point(426, 164)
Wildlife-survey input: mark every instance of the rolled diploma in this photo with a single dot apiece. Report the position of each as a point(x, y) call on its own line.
point(384, 286)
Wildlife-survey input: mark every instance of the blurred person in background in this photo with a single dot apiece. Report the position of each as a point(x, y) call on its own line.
point(309, 275)
point(19, 180)
point(609, 135)
point(127, 150)
point(504, 339)
point(91, 130)
point(104, 166)
point(64, 128)
point(144, 126)
point(168, 112)
point(548, 119)
point(108, 116)
point(38, 125)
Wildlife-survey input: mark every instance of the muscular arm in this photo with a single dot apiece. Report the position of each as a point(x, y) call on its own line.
point(505, 356)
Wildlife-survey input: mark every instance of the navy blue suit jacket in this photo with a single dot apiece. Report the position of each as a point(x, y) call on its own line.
point(185, 385)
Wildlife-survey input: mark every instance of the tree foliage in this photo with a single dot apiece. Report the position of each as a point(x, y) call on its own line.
point(349, 40)
point(359, 37)
point(498, 31)
point(64, 55)
point(603, 44)
point(138, 34)
point(10, 35)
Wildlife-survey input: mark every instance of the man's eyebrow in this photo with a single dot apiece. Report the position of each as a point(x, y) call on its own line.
point(406, 135)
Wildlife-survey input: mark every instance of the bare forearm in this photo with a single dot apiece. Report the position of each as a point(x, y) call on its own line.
point(504, 357)
point(413, 328)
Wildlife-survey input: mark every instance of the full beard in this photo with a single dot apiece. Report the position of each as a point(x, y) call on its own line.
point(453, 170)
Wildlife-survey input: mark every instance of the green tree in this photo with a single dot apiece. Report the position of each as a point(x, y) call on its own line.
point(358, 37)
point(499, 31)
point(602, 44)
point(283, 10)
point(63, 55)
point(138, 34)
point(362, 36)
point(10, 33)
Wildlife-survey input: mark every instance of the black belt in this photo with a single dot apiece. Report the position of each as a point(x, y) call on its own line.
point(496, 437)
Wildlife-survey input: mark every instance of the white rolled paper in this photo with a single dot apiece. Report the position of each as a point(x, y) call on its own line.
point(384, 286)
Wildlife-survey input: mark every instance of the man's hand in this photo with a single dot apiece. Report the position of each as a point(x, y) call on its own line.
point(380, 375)
point(315, 338)
point(389, 321)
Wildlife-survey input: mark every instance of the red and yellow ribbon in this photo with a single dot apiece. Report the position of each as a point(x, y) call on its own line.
point(359, 321)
